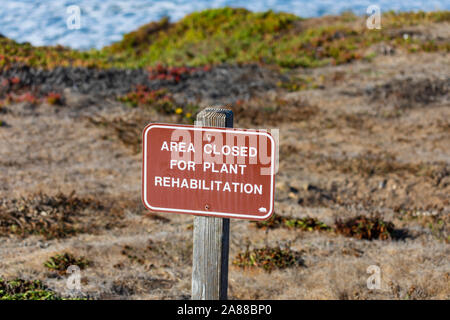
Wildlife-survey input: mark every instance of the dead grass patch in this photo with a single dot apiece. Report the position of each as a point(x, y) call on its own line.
point(436, 221)
point(368, 228)
point(273, 111)
point(409, 92)
point(268, 258)
point(155, 216)
point(174, 252)
point(370, 164)
point(135, 255)
point(128, 128)
point(313, 196)
point(158, 253)
point(359, 121)
point(58, 216)
point(287, 150)
point(352, 252)
point(128, 131)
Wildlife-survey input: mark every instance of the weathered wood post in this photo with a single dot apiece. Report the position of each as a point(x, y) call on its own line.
point(211, 235)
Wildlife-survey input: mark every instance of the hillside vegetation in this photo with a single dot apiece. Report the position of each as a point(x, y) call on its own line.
point(364, 164)
point(229, 35)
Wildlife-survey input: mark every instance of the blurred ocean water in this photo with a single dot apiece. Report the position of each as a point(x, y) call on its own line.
point(43, 22)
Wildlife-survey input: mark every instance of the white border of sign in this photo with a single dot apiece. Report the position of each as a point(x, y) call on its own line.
point(208, 213)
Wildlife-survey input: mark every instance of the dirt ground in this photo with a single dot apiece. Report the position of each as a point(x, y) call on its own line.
point(367, 138)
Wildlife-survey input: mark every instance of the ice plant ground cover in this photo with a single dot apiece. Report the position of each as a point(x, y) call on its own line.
point(238, 35)
point(105, 22)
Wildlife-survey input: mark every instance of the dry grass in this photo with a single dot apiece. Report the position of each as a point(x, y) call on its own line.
point(395, 168)
point(273, 110)
point(50, 216)
point(410, 92)
point(369, 164)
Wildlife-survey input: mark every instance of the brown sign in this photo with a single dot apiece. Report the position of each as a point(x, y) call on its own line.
point(219, 172)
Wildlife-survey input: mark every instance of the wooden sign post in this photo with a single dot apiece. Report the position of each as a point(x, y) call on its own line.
point(214, 172)
point(211, 234)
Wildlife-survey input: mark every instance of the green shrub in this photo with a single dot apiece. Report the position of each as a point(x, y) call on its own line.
point(61, 262)
point(267, 258)
point(19, 289)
